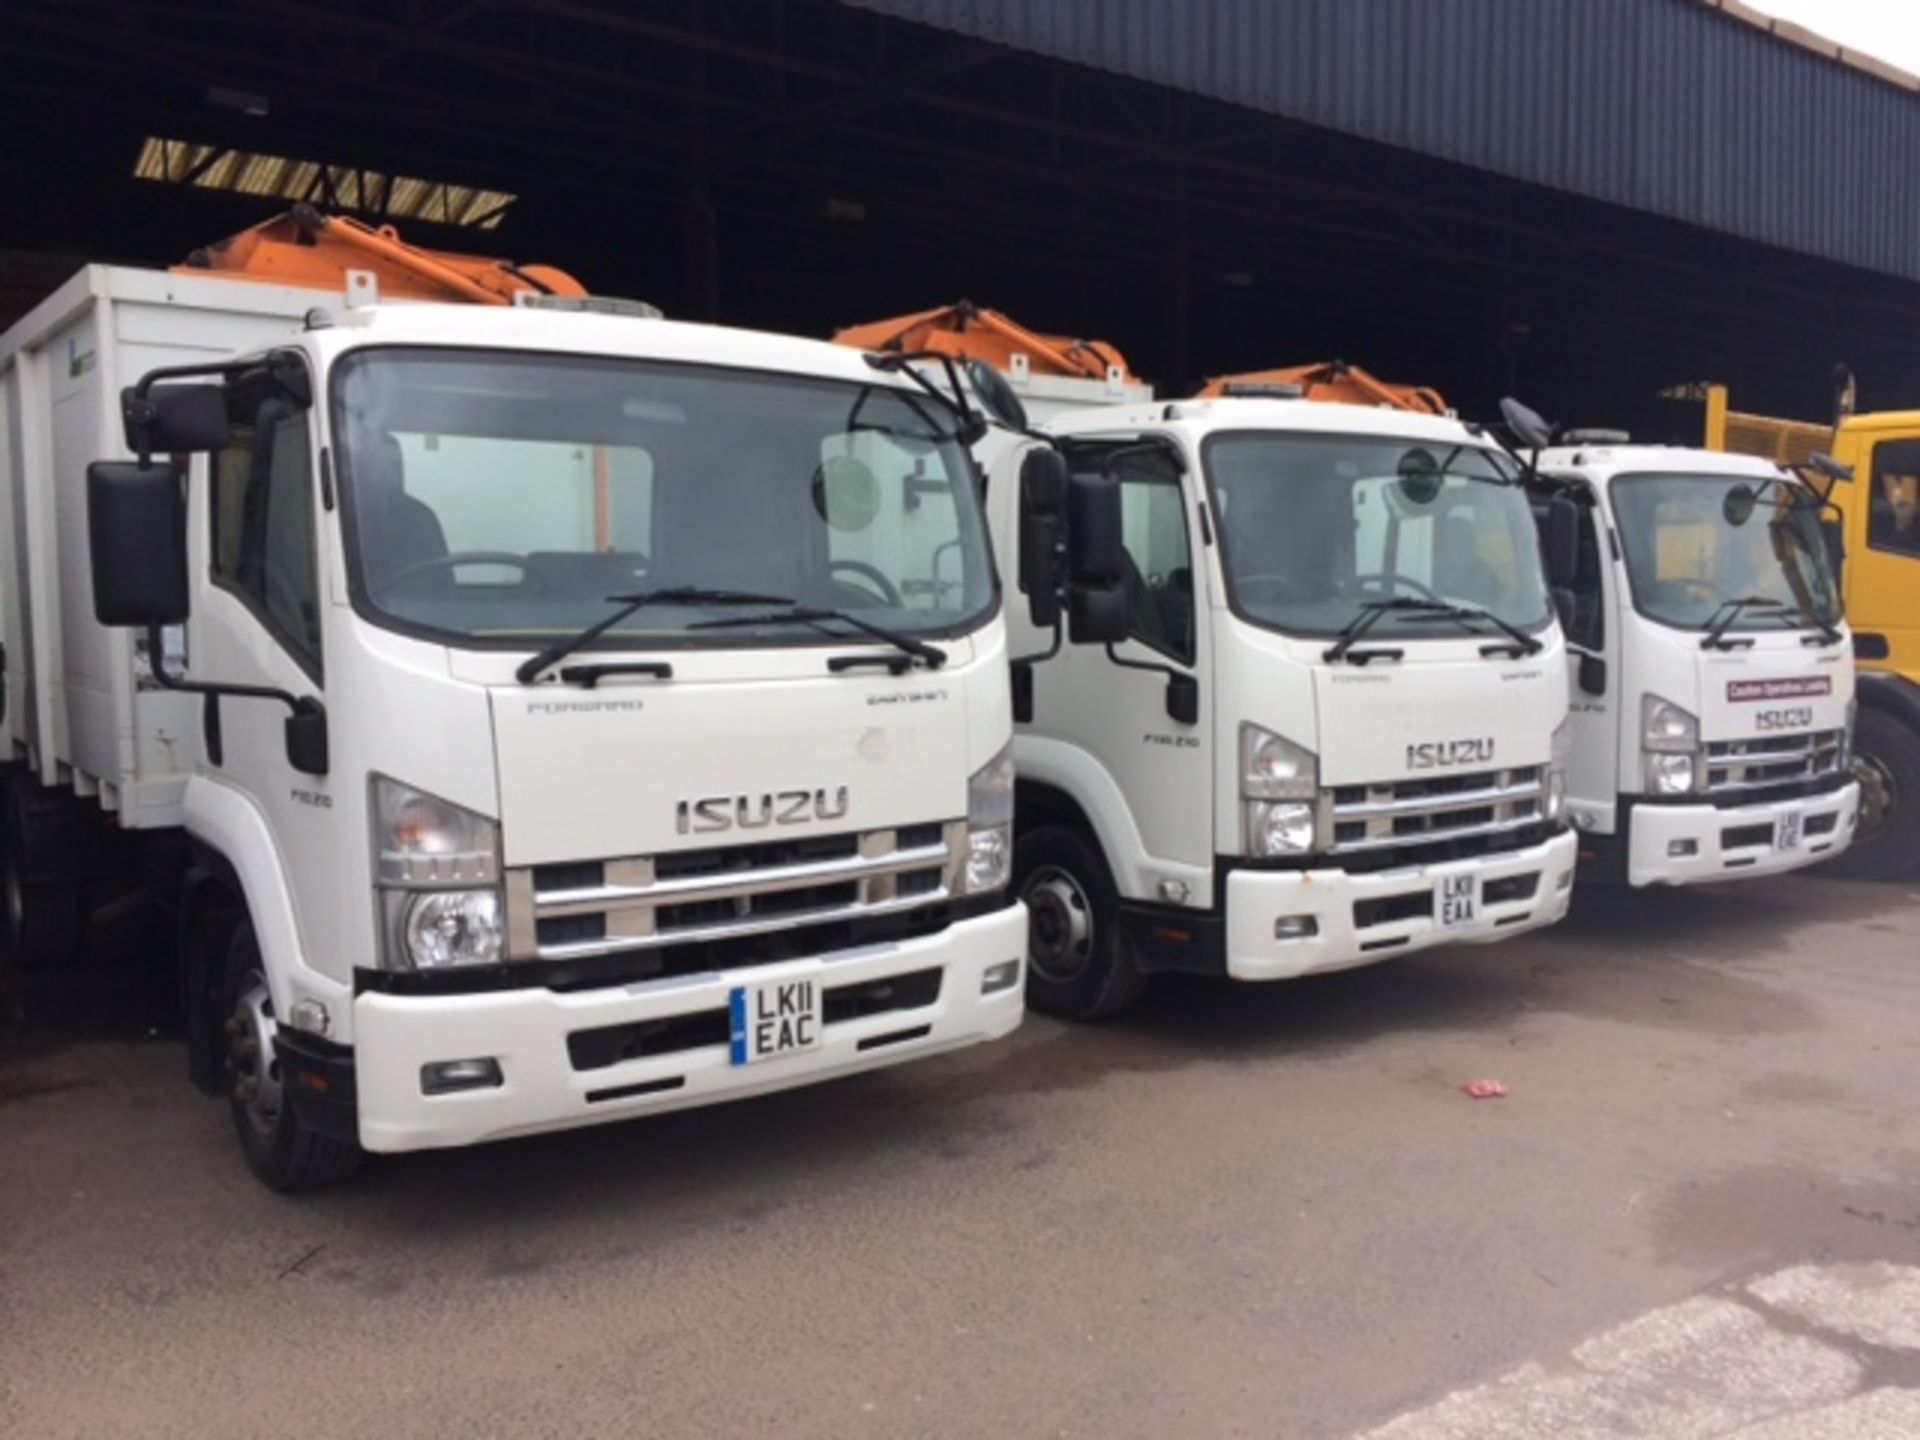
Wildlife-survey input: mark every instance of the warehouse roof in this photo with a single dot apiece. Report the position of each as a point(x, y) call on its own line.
point(1690, 109)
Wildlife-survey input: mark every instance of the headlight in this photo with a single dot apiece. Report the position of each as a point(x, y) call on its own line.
point(444, 928)
point(1557, 755)
point(1670, 774)
point(1665, 726)
point(1272, 768)
point(990, 825)
point(437, 868)
point(1278, 828)
point(1669, 748)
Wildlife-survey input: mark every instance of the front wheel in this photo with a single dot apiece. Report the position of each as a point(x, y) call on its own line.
point(284, 1152)
point(1886, 759)
point(1079, 965)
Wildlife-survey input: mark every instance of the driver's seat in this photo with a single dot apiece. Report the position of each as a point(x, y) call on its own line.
point(397, 530)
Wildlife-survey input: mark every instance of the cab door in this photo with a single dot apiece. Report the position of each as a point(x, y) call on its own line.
point(1594, 671)
point(1883, 581)
point(1114, 704)
point(257, 621)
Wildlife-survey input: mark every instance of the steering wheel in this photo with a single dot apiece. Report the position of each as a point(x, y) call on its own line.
point(1272, 581)
point(406, 574)
point(889, 594)
point(1388, 582)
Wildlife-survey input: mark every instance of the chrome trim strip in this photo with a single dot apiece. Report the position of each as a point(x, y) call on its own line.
point(734, 883)
point(1464, 832)
point(787, 920)
point(1437, 804)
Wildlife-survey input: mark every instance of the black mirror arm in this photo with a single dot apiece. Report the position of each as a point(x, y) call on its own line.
point(1173, 673)
point(1053, 647)
point(156, 656)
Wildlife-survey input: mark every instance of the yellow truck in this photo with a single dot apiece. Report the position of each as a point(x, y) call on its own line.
point(1874, 530)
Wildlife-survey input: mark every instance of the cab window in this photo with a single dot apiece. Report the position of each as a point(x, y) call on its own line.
point(1893, 513)
point(262, 518)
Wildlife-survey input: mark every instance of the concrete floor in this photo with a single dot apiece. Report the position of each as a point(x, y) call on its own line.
point(1241, 1211)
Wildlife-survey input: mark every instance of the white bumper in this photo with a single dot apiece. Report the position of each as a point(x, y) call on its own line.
point(1358, 919)
point(527, 1030)
point(1686, 844)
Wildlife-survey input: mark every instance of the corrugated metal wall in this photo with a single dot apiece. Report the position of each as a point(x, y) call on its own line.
point(1662, 105)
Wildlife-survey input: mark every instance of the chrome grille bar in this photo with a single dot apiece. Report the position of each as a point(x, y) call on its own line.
point(1766, 761)
point(1404, 813)
point(632, 907)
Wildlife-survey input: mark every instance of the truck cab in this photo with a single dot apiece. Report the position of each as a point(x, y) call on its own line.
point(569, 715)
point(1334, 731)
point(1712, 679)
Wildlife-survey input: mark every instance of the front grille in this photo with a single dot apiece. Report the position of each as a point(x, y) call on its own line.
point(1743, 837)
point(685, 898)
point(1412, 821)
point(1773, 763)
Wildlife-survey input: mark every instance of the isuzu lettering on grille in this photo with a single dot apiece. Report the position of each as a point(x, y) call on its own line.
point(1443, 754)
point(712, 813)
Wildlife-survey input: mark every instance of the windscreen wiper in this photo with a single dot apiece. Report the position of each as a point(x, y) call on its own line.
point(1729, 611)
point(530, 671)
point(1367, 617)
point(1523, 643)
point(818, 615)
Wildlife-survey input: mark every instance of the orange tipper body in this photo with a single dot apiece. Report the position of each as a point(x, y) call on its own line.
point(1336, 382)
point(304, 247)
point(967, 332)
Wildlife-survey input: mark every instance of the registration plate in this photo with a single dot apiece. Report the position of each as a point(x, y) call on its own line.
point(775, 1018)
point(1456, 901)
point(1786, 831)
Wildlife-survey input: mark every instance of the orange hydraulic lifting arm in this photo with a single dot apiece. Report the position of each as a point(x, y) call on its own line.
point(304, 247)
point(967, 332)
point(1334, 381)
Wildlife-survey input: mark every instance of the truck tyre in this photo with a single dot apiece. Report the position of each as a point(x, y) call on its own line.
point(42, 846)
point(1886, 757)
point(1079, 965)
point(285, 1153)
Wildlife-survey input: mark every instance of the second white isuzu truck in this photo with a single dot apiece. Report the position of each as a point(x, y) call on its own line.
point(1713, 682)
point(535, 716)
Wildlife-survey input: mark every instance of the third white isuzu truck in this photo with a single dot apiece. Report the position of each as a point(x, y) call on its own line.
point(534, 715)
point(1713, 682)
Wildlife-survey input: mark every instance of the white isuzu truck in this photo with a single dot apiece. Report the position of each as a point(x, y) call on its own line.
point(1311, 713)
point(1713, 674)
point(538, 716)
point(1334, 729)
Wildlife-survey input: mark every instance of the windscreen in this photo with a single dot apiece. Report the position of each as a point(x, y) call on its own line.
point(503, 498)
point(1696, 543)
point(1315, 526)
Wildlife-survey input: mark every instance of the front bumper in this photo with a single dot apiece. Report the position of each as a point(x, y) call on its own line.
point(1686, 844)
point(1361, 918)
point(541, 1088)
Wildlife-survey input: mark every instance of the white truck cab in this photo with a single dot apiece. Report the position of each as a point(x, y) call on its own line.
point(569, 716)
point(1712, 679)
point(1334, 730)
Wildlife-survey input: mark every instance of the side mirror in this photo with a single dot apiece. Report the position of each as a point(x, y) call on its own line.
point(1830, 467)
point(1593, 674)
point(1043, 506)
point(1564, 606)
point(997, 395)
point(1835, 537)
point(1095, 561)
point(1094, 552)
point(137, 541)
point(175, 419)
point(1097, 614)
point(1528, 427)
point(1563, 541)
